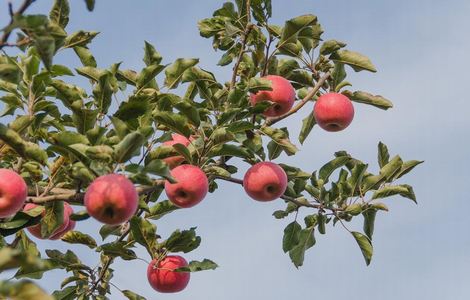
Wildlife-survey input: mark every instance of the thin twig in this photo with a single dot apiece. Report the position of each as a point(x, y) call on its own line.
point(20, 11)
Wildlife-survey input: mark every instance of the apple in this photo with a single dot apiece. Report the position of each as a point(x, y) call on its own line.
point(333, 111)
point(35, 230)
point(174, 161)
point(265, 181)
point(282, 95)
point(13, 192)
point(163, 279)
point(191, 186)
point(111, 199)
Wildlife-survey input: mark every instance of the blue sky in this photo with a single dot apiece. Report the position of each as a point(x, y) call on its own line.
point(421, 252)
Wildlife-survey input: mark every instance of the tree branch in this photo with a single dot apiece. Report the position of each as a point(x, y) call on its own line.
point(72, 196)
point(311, 93)
point(20, 11)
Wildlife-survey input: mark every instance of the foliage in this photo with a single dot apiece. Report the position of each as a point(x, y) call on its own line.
point(61, 136)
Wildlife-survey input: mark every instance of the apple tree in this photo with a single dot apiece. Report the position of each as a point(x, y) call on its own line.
point(70, 153)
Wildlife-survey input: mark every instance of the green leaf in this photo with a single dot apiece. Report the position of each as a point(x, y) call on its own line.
point(77, 237)
point(307, 125)
point(196, 266)
point(144, 233)
point(407, 167)
point(355, 60)
point(132, 296)
point(391, 168)
point(85, 56)
point(274, 150)
point(369, 220)
point(107, 230)
point(331, 46)
point(281, 137)
point(366, 98)
point(53, 218)
point(291, 236)
point(328, 169)
point(306, 241)
point(403, 190)
point(259, 84)
point(117, 249)
point(190, 111)
point(90, 4)
point(365, 245)
point(182, 241)
point(174, 72)
point(24, 290)
point(383, 157)
point(147, 75)
point(357, 173)
point(158, 167)
point(151, 56)
point(175, 122)
point(128, 147)
point(46, 49)
point(80, 38)
point(229, 150)
point(59, 13)
point(294, 26)
point(160, 209)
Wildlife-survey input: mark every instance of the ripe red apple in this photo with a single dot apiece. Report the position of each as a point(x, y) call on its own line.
point(265, 181)
point(111, 199)
point(191, 187)
point(333, 111)
point(35, 230)
point(282, 94)
point(163, 279)
point(13, 192)
point(174, 161)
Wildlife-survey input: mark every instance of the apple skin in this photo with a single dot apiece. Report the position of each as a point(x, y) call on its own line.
point(191, 187)
point(282, 94)
point(13, 192)
point(265, 181)
point(111, 199)
point(162, 278)
point(174, 161)
point(333, 112)
point(35, 230)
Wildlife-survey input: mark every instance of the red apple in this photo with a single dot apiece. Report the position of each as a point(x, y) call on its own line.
point(111, 199)
point(191, 187)
point(174, 161)
point(163, 279)
point(333, 111)
point(282, 95)
point(13, 192)
point(35, 230)
point(265, 181)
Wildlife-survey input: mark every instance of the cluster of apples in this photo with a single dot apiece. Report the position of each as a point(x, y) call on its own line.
point(113, 199)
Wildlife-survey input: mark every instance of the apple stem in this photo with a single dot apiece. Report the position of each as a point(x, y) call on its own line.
point(316, 88)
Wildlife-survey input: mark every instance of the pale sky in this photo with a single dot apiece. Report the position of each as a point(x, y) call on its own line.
point(420, 49)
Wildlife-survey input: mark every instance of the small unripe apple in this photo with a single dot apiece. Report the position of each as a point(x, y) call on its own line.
point(111, 199)
point(265, 181)
point(174, 161)
point(282, 95)
point(333, 111)
point(35, 230)
point(191, 186)
point(13, 192)
point(163, 279)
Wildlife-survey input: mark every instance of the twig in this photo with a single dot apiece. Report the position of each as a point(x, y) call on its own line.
point(247, 31)
point(304, 101)
point(20, 11)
